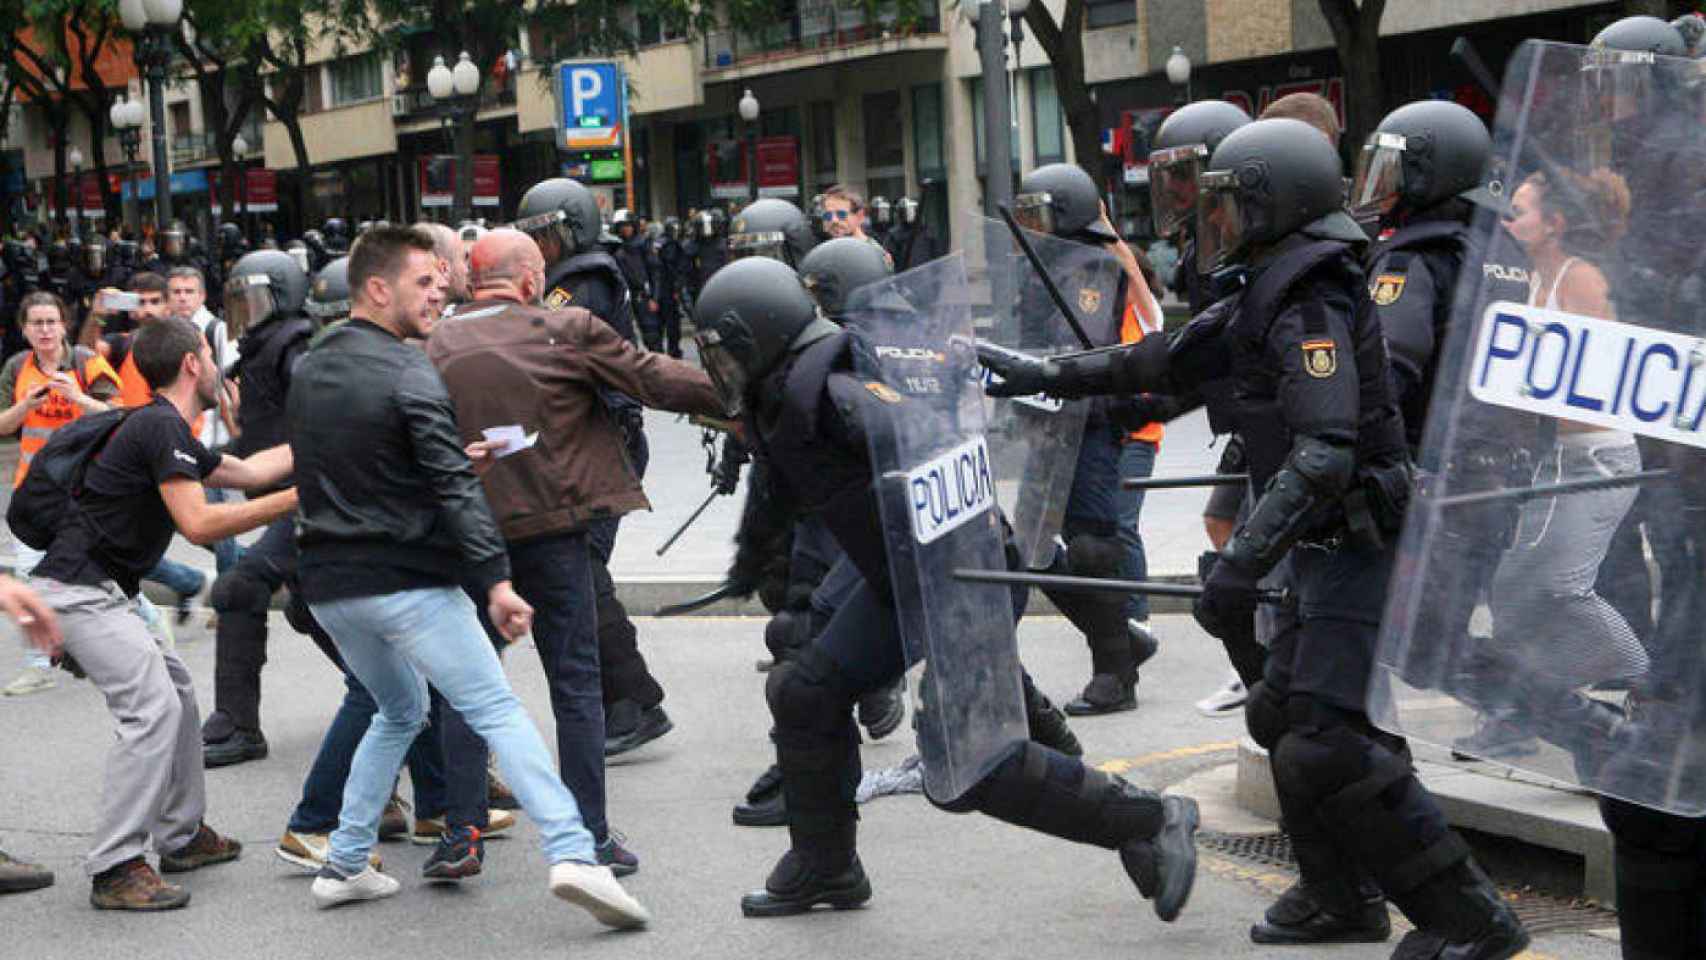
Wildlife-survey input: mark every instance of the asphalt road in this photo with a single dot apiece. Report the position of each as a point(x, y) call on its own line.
point(946, 886)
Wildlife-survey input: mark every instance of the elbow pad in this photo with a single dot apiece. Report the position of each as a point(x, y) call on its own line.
point(1298, 498)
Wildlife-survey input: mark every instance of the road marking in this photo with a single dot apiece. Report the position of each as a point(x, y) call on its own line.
point(1180, 753)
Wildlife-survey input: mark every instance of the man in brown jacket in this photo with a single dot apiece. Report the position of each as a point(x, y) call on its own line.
point(531, 377)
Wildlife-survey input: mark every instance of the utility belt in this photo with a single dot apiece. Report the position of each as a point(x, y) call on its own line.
point(1371, 513)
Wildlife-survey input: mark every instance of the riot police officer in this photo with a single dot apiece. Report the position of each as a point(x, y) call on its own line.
point(633, 253)
point(789, 372)
point(771, 228)
point(675, 273)
point(708, 246)
point(1182, 147)
point(1326, 446)
point(1062, 200)
point(329, 295)
point(336, 232)
point(173, 249)
point(264, 299)
point(908, 240)
point(562, 217)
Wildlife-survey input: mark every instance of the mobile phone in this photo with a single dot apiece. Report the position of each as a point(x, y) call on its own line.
point(113, 301)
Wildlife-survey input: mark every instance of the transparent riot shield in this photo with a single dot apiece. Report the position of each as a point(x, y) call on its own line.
point(936, 488)
point(1564, 446)
point(1034, 440)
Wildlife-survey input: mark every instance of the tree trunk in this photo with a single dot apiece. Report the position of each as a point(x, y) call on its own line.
point(463, 206)
point(299, 146)
point(59, 172)
point(1063, 43)
point(1356, 37)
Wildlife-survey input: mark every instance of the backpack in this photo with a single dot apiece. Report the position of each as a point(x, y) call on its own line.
point(40, 506)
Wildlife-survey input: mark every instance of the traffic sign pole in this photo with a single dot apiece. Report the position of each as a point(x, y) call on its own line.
point(627, 148)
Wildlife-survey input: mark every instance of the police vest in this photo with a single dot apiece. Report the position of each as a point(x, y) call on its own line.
point(265, 382)
point(1415, 317)
point(55, 411)
point(601, 267)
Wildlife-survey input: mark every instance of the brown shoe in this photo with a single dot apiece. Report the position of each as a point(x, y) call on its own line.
point(394, 822)
point(205, 849)
point(133, 885)
point(16, 876)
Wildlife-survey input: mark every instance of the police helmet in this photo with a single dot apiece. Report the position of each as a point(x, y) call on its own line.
point(1177, 156)
point(1061, 199)
point(231, 240)
point(95, 255)
point(672, 228)
point(749, 315)
point(560, 211)
point(125, 254)
point(771, 228)
point(337, 232)
point(1421, 154)
point(172, 240)
point(470, 232)
point(835, 268)
point(906, 210)
point(299, 252)
point(1266, 180)
point(263, 284)
point(58, 256)
point(621, 216)
point(1642, 35)
point(882, 212)
point(329, 297)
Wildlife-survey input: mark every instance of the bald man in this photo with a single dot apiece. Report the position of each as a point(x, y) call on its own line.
point(510, 362)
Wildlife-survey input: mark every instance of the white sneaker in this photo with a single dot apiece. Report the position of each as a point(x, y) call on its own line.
point(595, 889)
point(31, 680)
point(332, 888)
point(1226, 701)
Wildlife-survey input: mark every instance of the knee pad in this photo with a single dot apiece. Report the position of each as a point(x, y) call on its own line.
point(236, 591)
point(1327, 754)
point(1264, 716)
point(786, 633)
point(804, 696)
point(1089, 555)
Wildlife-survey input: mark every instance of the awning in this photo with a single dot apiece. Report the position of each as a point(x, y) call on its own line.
point(184, 181)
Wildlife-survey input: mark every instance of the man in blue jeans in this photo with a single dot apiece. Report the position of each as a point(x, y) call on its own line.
point(392, 521)
point(510, 364)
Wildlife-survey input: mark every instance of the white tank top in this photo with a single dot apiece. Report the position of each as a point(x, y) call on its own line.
point(1594, 437)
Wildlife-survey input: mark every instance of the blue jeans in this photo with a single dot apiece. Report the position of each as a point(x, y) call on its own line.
point(180, 578)
point(1137, 462)
point(395, 644)
point(323, 791)
point(225, 552)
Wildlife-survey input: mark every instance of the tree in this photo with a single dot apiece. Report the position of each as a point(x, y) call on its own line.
point(69, 39)
point(33, 74)
point(1356, 34)
point(218, 48)
point(1063, 42)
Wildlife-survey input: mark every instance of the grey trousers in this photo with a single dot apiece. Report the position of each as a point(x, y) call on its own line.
point(154, 781)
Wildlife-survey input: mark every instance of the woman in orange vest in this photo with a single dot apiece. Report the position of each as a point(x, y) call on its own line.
point(46, 387)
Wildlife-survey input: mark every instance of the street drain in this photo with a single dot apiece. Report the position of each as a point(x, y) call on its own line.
point(1541, 913)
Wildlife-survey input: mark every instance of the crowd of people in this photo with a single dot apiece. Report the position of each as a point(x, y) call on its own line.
point(440, 429)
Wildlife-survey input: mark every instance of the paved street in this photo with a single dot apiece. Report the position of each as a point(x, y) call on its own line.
point(946, 886)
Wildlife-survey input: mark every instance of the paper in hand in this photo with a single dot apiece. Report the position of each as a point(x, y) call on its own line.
point(511, 439)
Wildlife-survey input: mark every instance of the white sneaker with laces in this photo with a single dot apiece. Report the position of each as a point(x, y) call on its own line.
point(32, 680)
point(332, 888)
point(1226, 701)
point(595, 889)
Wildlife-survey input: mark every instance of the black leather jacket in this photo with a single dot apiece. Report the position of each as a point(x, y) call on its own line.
point(380, 471)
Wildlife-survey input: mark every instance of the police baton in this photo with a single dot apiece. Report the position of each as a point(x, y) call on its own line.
point(1054, 581)
point(697, 603)
point(1042, 272)
point(1520, 494)
point(714, 494)
point(1463, 52)
point(1172, 483)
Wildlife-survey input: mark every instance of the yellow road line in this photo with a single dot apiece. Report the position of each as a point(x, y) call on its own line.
point(1180, 753)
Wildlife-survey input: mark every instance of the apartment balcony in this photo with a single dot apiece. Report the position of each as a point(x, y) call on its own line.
point(189, 149)
point(820, 32)
point(415, 104)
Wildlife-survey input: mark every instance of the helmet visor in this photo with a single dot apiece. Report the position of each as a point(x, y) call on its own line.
point(546, 227)
point(172, 243)
point(1220, 220)
point(1034, 212)
point(326, 311)
point(95, 256)
point(1173, 187)
point(724, 370)
point(1616, 85)
point(1380, 176)
point(768, 243)
point(248, 301)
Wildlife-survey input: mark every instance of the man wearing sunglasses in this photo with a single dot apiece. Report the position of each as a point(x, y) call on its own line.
point(844, 213)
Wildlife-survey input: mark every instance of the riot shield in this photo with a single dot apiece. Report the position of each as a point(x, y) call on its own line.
point(1566, 427)
point(1034, 440)
point(935, 484)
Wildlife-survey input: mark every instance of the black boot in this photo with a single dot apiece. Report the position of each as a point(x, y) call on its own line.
point(1333, 902)
point(882, 710)
point(1048, 725)
point(819, 868)
point(1164, 866)
point(1106, 693)
point(764, 805)
point(1459, 915)
point(1113, 653)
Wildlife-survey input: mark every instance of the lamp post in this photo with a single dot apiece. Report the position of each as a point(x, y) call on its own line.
point(454, 90)
point(157, 22)
point(985, 16)
point(76, 159)
point(1179, 71)
point(749, 118)
point(239, 147)
point(126, 117)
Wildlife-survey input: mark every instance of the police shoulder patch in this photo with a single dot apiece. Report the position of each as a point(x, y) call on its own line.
point(882, 391)
point(558, 299)
point(1089, 299)
point(1386, 289)
point(1320, 358)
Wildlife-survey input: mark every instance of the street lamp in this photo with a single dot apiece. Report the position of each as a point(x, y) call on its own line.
point(126, 117)
point(157, 22)
point(240, 147)
point(454, 89)
point(1179, 71)
point(984, 16)
point(76, 159)
point(1016, 14)
point(749, 116)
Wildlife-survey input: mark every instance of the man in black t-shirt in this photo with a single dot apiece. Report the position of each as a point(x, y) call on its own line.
point(140, 488)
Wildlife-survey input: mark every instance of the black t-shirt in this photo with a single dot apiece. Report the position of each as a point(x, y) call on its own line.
point(121, 527)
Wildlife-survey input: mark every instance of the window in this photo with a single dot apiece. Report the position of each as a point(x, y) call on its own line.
point(823, 141)
point(779, 122)
point(885, 135)
point(313, 87)
point(1107, 13)
point(1047, 134)
point(977, 129)
point(355, 79)
point(927, 148)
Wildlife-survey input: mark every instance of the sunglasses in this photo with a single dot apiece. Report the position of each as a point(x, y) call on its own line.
point(837, 214)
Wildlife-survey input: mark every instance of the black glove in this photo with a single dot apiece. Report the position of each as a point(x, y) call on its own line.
point(1020, 374)
point(1228, 599)
point(726, 477)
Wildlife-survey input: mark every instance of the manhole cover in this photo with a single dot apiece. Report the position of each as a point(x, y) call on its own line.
point(1540, 912)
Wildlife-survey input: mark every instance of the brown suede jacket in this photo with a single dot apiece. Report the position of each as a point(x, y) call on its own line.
point(509, 363)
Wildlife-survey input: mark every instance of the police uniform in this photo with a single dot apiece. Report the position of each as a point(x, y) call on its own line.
point(595, 281)
point(674, 276)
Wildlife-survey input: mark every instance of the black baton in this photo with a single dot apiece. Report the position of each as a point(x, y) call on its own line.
point(1170, 483)
point(1099, 585)
point(1042, 271)
point(1551, 489)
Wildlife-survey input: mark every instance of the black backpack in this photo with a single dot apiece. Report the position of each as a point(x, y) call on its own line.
point(40, 506)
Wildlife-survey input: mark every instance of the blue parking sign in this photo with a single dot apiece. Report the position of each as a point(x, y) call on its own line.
point(592, 100)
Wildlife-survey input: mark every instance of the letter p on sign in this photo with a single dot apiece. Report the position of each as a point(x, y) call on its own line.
point(584, 85)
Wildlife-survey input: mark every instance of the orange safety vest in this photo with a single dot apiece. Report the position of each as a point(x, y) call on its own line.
point(55, 411)
point(1132, 330)
point(133, 389)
